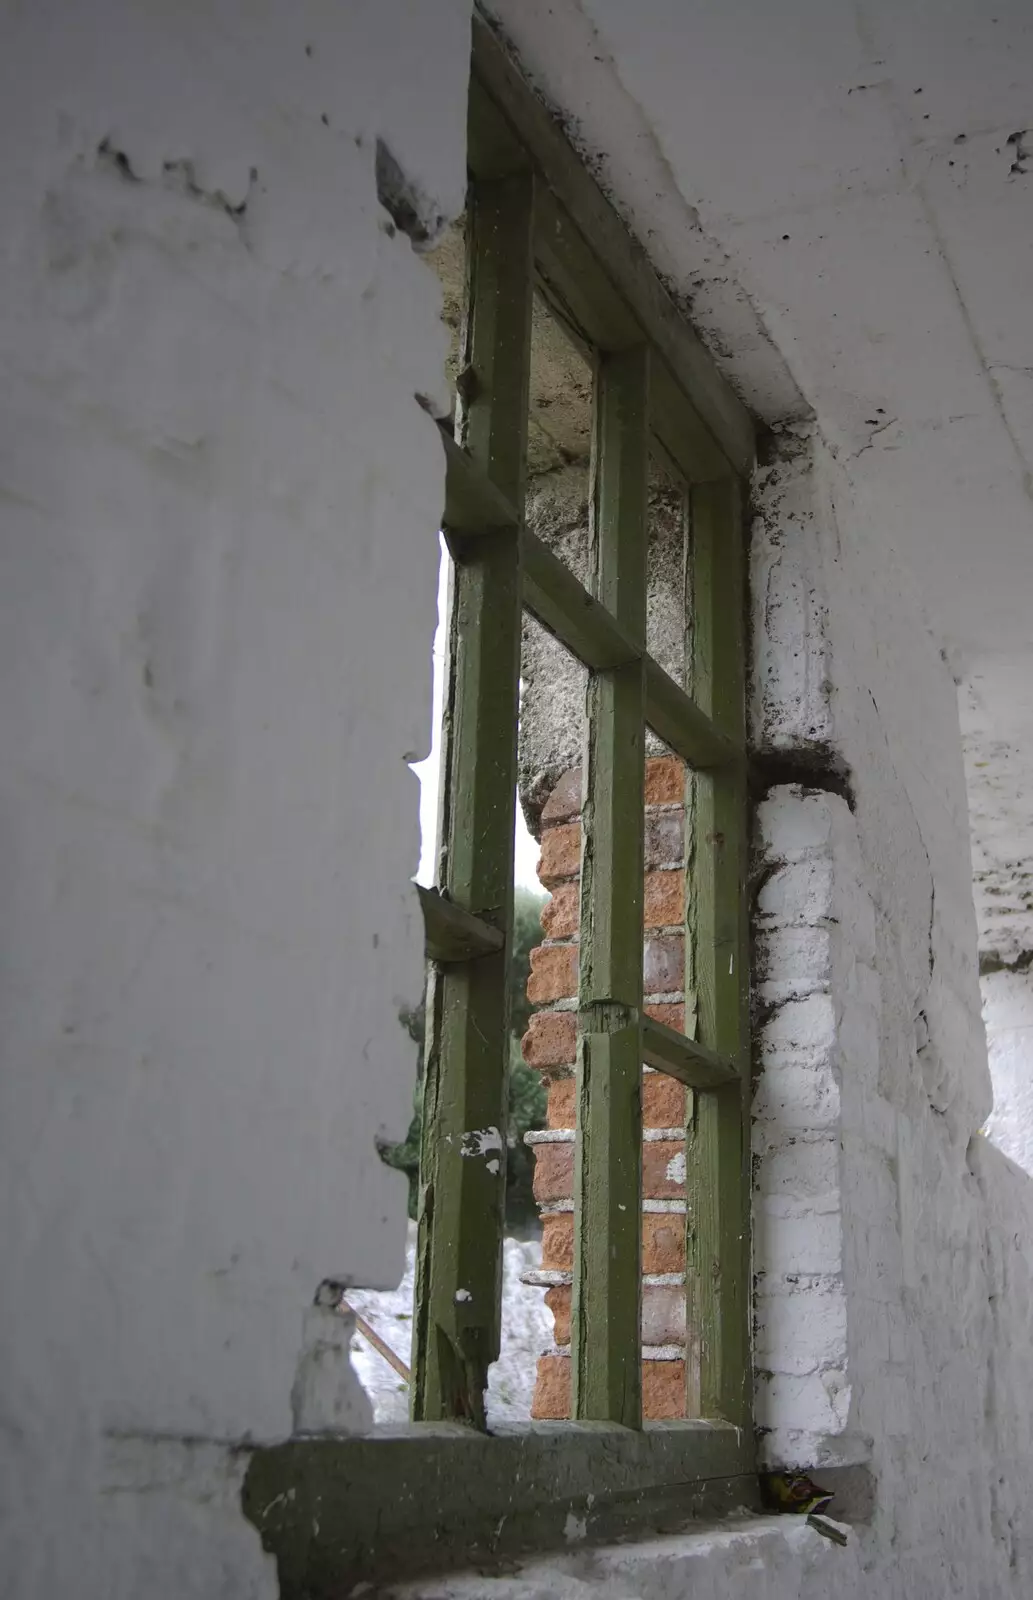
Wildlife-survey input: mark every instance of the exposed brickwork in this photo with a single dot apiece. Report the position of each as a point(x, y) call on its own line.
point(663, 966)
point(551, 1039)
point(663, 1313)
point(663, 1169)
point(670, 1012)
point(561, 853)
point(665, 839)
point(558, 1302)
point(664, 901)
point(561, 912)
point(663, 1389)
point(558, 1241)
point(551, 1400)
point(663, 1241)
point(665, 782)
point(550, 1044)
point(553, 1172)
point(553, 973)
point(663, 1102)
point(562, 1103)
point(565, 800)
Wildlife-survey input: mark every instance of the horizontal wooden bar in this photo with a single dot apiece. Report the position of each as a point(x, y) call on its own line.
point(341, 1511)
point(452, 934)
point(563, 605)
point(680, 723)
point(691, 1063)
point(722, 423)
point(473, 504)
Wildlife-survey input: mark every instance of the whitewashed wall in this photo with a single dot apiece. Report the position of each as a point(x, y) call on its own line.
point(218, 515)
point(921, 1231)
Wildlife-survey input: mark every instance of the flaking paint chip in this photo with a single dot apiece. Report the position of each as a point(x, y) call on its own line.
point(675, 1172)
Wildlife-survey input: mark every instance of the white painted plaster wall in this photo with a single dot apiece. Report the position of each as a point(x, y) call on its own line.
point(218, 518)
point(1008, 1013)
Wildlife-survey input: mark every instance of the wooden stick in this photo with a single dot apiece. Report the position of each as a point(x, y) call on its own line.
point(378, 1344)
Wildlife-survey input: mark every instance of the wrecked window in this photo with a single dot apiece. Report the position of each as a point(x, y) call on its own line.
point(593, 524)
point(568, 502)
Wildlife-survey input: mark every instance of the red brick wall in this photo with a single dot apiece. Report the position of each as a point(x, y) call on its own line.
point(550, 1045)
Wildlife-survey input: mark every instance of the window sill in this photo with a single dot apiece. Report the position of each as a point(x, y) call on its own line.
point(418, 1499)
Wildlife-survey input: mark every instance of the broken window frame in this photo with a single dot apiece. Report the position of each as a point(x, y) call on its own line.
point(537, 222)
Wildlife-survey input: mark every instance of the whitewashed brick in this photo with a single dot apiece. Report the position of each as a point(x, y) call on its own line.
point(801, 1333)
point(790, 823)
point(800, 1029)
point(800, 892)
point(818, 1402)
point(806, 1168)
point(791, 963)
point(798, 1096)
point(800, 1241)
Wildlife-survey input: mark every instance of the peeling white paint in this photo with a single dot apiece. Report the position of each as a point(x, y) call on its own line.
point(675, 1169)
point(481, 1142)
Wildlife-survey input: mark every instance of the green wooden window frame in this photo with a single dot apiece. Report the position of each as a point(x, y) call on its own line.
point(537, 222)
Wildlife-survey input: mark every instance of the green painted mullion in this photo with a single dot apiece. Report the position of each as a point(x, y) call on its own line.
point(718, 1166)
point(606, 1315)
point(463, 1162)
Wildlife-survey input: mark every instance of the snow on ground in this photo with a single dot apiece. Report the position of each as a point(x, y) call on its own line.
point(527, 1331)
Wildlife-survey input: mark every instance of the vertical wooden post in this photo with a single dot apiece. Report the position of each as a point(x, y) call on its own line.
point(463, 1161)
point(717, 1148)
point(606, 1339)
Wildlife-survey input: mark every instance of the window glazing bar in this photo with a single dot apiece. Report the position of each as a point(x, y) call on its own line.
point(717, 1140)
point(463, 1160)
point(605, 1330)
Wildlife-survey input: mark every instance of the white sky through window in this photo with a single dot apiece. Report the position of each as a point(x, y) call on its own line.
point(525, 850)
